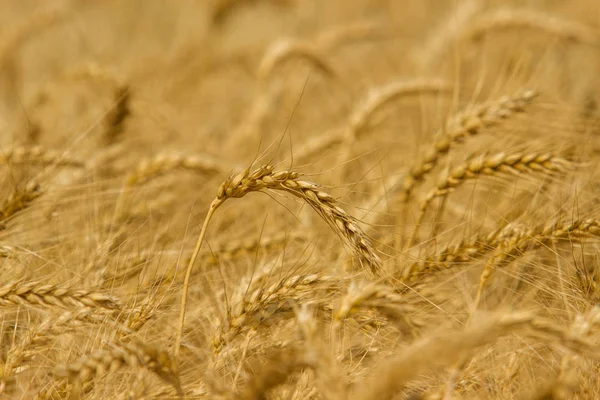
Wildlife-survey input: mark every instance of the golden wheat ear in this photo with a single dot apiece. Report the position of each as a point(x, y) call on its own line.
point(516, 164)
point(536, 237)
point(469, 122)
point(135, 354)
point(266, 178)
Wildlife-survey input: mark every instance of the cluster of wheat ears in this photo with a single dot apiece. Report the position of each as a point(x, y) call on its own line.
point(269, 199)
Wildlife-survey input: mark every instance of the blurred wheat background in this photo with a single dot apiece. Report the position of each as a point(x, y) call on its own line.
point(366, 199)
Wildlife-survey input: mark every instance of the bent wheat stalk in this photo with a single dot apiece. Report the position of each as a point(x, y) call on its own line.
point(265, 178)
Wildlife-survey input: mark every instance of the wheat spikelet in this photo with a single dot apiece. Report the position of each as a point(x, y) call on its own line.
point(265, 178)
point(369, 295)
point(38, 293)
point(469, 122)
point(510, 19)
point(133, 354)
point(500, 163)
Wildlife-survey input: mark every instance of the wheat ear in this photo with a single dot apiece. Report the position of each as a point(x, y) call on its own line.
point(444, 349)
point(37, 293)
point(37, 155)
point(265, 178)
point(534, 238)
point(467, 123)
point(380, 96)
point(115, 119)
point(130, 354)
point(493, 165)
point(153, 167)
point(465, 251)
point(263, 302)
point(18, 200)
point(23, 351)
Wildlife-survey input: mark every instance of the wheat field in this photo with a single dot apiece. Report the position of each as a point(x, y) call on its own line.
point(300, 199)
